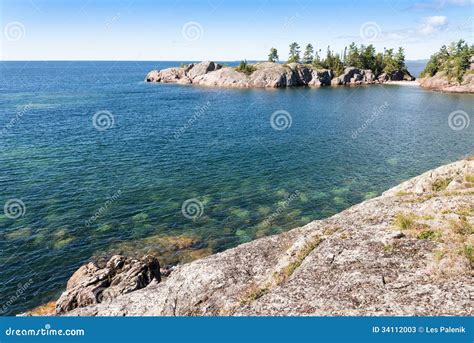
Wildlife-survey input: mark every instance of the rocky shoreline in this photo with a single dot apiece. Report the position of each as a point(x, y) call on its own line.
point(439, 82)
point(408, 252)
point(269, 75)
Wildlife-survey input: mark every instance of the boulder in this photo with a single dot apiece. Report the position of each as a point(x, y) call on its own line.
point(369, 76)
point(202, 68)
point(153, 76)
point(350, 73)
point(354, 76)
point(383, 78)
point(400, 76)
point(321, 77)
point(93, 283)
point(168, 75)
point(303, 74)
point(269, 74)
point(224, 77)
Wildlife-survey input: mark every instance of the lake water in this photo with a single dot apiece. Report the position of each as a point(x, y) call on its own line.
point(187, 171)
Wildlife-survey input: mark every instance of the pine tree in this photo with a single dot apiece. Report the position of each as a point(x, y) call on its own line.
point(294, 55)
point(308, 55)
point(353, 56)
point(400, 59)
point(273, 55)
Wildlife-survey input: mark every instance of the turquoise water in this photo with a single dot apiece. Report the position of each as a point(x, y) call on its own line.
point(89, 193)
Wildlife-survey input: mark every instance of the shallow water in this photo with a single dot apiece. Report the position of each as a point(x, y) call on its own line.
point(88, 192)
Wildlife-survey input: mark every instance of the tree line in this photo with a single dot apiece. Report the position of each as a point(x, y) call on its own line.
point(453, 61)
point(363, 57)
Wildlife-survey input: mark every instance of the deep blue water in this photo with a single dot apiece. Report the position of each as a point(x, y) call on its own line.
point(171, 143)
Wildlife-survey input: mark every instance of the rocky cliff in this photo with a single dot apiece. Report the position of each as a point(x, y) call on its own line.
point(408, 252)
point(267, 74)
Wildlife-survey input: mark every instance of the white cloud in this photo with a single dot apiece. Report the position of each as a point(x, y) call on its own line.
point(434, 24)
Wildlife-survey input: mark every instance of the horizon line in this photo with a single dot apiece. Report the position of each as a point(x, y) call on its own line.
point(126, 60)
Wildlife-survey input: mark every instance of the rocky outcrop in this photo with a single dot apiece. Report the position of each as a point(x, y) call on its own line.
point(265, 75)
point(93, 283)
point(225, 77)
point(440, 82)
point(408, 252)
point(184, 75)
point(356, 76)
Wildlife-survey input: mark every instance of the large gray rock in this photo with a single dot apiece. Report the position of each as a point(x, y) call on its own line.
point(368, 76)
point(168, 75)
point(400, 76)
point(224, 77)
point(364, 261)
point(93, 283)
point(350, 74)
point(269, 74)
point(202, 68)
point(321, 77)
point(383, 78)
point(354, 76)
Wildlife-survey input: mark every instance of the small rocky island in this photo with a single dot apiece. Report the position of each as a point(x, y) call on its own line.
point(269, 75)
point(358, 65)
point(408, 252)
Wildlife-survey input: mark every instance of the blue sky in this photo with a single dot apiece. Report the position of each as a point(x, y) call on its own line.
point(223, 30)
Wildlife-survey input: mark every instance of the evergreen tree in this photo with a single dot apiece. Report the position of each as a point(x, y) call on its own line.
point(308, 55)
point(317, 59)
point(273, 55)
point(400, 59)
point(379, 64)
point(367, 57)
point(294, 55)
point(353, 56)
point(390, 62)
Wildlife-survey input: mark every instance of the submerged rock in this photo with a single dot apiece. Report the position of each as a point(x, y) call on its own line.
point(403, 253)
point(92, 284)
